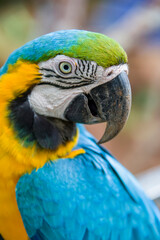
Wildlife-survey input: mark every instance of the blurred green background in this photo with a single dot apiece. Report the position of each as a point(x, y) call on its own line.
point(136, 25)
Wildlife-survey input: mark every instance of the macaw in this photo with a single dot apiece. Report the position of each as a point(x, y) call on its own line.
point(56, 181)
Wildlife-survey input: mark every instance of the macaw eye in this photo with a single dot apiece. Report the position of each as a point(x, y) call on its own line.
point(65, 67)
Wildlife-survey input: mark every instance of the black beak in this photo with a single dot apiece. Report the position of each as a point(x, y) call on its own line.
point(109, 102)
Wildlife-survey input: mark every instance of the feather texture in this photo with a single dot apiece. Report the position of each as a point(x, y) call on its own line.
point(89, 197)
point(73, 43)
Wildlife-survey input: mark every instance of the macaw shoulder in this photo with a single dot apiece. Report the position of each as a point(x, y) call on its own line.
point(91, 193)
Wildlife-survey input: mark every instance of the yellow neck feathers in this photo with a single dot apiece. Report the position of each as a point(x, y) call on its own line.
point(15, 159)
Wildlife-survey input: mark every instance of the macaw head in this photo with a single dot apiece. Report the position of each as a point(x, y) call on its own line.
point(64, 78)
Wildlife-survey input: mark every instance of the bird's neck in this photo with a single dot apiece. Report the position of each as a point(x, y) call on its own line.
point(27, 140)
point(21, 150)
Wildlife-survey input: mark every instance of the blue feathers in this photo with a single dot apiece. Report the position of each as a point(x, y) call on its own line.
point(90, 197)
point(50, 43)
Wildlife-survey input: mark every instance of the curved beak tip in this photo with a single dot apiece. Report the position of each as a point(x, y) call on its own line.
point(119, 115)
point(108, 134)
point(109, 102)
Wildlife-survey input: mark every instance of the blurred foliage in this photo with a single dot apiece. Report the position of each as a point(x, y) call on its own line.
point(15, 27)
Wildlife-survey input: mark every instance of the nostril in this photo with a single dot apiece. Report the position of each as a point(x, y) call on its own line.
point(92, 106)
point(110, 73)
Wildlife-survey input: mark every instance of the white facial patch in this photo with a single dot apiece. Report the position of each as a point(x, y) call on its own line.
point(51, 101)
point(63, 78)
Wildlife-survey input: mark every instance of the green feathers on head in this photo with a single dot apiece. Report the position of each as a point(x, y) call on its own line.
point(73, 43)
point(103, 50)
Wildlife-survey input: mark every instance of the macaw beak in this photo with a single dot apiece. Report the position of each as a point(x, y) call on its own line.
point(109, 102)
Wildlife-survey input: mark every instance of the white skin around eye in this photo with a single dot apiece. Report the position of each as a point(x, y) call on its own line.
point(53, 64)
point(51, 101)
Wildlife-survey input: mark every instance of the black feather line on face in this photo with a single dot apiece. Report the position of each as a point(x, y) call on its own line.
point(64, 82)
point(84, 83)
point(30, 127)
point(48, 70)
point(88, 67)
point(80, 65)
point(92, 71)
point(83, 63)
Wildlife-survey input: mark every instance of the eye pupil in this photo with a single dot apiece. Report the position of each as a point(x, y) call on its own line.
point(65, 67)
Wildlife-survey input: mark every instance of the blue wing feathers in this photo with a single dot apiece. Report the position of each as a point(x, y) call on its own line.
point(90, 197)
point(37, 237)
